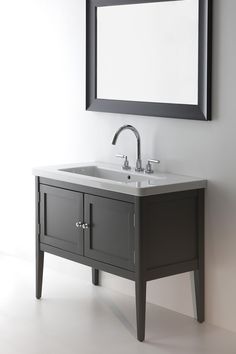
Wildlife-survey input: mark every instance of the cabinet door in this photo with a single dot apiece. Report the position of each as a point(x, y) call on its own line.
point(60, 209)
point(110, 235)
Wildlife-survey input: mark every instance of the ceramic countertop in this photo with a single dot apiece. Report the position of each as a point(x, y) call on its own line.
point(156, 183)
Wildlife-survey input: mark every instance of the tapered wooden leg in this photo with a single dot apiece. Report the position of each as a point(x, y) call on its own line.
point(199, 277)
point(140, 293)
point(199, 293)
point(39, 272)
point(95, 276)
point(39, 254)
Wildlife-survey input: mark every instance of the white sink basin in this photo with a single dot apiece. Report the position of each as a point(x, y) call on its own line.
point(113, 178)
point(118, 176)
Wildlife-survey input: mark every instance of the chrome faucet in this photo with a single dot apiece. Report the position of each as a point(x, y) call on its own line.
point(138, 167)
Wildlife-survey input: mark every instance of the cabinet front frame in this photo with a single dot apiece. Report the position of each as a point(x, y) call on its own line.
point(125, 270)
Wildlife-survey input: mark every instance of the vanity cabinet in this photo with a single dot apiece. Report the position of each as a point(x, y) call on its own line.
point(138, 238)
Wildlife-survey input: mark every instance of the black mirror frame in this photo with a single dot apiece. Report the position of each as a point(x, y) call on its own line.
point(202, 111)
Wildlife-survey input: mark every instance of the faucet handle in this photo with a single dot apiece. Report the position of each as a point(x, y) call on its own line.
point(121, 156)
point(126, 165)
point(149, 166)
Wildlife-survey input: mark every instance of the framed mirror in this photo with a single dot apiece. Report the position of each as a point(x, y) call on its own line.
point(149, 57)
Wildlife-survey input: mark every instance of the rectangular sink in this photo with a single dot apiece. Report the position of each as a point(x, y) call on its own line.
point(112, 178)
point(118, 176)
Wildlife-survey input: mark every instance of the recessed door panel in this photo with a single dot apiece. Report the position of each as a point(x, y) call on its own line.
point(60, 210)
point(110, 235)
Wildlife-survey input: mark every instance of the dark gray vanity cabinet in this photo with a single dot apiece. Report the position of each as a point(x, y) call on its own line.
point(138, 238)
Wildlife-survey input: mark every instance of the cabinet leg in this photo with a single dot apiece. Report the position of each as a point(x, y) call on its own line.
point(199, 274)
point(95, 276)
point(199, 294)
point(140, 294)
point(39, 272)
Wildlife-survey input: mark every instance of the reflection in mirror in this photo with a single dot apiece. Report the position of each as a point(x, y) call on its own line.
point(148, 52)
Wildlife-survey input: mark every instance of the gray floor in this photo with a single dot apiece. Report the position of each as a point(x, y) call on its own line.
point(76, 317)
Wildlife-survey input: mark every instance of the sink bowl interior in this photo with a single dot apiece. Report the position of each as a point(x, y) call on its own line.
point(94, 171)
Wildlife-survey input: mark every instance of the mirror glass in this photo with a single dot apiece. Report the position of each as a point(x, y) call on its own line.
point(148, 52)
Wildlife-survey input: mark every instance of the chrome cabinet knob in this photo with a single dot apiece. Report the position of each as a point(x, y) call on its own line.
point(126, 165)
point(82, 225)
point(85, 226)
point(149, 166)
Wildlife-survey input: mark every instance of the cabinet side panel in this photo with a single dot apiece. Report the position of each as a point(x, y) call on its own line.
point(170, 230)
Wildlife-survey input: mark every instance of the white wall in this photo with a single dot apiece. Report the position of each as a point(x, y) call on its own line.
point(43, 121)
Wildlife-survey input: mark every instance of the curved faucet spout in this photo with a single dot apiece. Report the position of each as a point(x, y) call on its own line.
point(137, 135)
